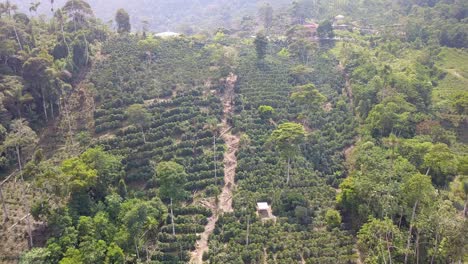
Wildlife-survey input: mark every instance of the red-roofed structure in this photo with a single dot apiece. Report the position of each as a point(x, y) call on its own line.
point(311, 28)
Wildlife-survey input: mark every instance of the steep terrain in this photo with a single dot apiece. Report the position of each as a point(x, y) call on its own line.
point(224, 201)
point(350, 129)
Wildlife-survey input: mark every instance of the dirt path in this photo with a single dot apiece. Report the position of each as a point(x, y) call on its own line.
point(230, 164)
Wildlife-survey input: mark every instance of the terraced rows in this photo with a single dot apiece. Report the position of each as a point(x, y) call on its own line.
point(178, 131)
point(299, 234)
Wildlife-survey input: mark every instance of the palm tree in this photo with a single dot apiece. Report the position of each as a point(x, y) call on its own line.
point(8, 8)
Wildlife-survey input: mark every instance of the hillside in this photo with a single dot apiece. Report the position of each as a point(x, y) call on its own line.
point(293, 136)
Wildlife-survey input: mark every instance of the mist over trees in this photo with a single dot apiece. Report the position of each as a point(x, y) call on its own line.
point(170, 15)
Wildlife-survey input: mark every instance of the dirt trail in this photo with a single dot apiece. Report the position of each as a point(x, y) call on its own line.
point(230, 164)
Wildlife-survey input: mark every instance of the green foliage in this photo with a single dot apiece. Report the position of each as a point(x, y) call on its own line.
point(441, 163)
point(266, 111)
point(309, 97)
point(171, 178)
point(123, 21)
point(261, 44)
point(380, 240)
point(333, 218)
point(35, 256)
point(394, 111)
point(287, 138)
point(325, 29)
point(80, 175)
point(394, 115)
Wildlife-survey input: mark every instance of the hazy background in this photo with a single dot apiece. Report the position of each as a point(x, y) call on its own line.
point(169, 15)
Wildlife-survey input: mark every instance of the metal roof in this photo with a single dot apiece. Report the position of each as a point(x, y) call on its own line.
point(263, 206)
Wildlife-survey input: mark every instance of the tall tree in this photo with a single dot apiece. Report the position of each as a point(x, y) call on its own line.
point(123, 21)
point(10, 8)
point(325, 29)
point(139, 117)
point(417, 192)
point(172, 178)
point(20, 137)
point(140, 217)
point(36, 72)
point(380, 241)
point(441, 164)
point(287, 139)
point(265, 13)
point(79, 12)
point(261, 45)
point(309, 97)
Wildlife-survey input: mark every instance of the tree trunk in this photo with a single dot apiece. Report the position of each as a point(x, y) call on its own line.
point(417, 247)
point(44, 105)
point(388, 248)
point(65, 40)
point(465, 208)
point(19, 162)
point(5, 212)
point(136, 249)
point(52, 109)
point(68, 121)
point(28, 221)
point(214, 159)
point(17, 36)
point(143, 133)
point(435, 248)
point(408, 241)
point(248, 230)
point(172, 220)
point(288, 171)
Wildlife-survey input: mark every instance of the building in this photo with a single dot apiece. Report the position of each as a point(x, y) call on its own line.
point(311, 29)
point(167, 34)
point(338, 20)
point(264, 212)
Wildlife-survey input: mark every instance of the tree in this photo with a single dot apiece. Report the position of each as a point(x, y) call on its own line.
point(417, 192)
point(20, 136)
point(261, 44)
point(379, 240)
point(309, 97)
point(265, 12)
point(172, 178)
point(266, 111)
point(107, 166)
point(393, 115)
point(441, 164)
point(333, 218)
point(325, 29)
point(72, 256)
point(140, 217)
point(35, 256)
point(79, 12)
point(115, 254)
point(139, 117)
point(8, 8)
point(287, 138)
point(302, 48)
point(123, 21)
point(301, 10)
point(15, 96)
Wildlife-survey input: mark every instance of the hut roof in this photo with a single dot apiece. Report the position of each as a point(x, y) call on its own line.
point(263, 206)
